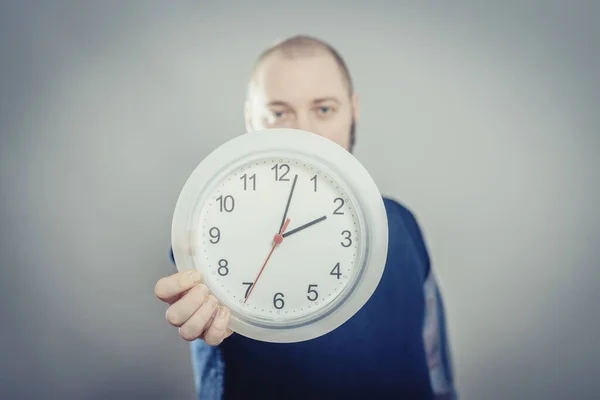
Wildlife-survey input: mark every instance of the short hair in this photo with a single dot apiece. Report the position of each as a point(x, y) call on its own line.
point(301, 45)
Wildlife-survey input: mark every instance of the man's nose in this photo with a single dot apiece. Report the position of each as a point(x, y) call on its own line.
point(305, 123)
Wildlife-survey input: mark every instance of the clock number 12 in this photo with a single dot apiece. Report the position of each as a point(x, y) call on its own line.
point(278, 168)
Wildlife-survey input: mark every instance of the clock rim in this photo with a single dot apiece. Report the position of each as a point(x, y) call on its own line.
point(333, 158)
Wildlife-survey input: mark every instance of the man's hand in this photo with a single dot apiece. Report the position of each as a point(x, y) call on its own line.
point(192, 308)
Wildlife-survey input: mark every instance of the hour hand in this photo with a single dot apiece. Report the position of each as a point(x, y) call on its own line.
point(298, 229)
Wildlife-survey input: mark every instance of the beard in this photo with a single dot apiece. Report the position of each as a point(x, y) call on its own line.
point(352, 135)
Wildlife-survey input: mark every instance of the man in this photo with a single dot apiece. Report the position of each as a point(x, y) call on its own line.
point(395, 346)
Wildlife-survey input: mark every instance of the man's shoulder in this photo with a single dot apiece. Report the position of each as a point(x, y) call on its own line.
point(400, 214)
point(399, 211)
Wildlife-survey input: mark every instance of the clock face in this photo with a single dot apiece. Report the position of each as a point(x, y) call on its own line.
point(278, 240)
point(288, 230)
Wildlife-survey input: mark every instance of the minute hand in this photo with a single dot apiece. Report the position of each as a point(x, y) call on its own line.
point(288, 233)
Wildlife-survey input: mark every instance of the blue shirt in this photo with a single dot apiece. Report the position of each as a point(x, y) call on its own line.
point(395, 347)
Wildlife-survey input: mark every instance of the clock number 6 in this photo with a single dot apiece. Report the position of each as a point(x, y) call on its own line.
point(223, 270)
point(347, 239)
point(278, 302)
point(312, 291)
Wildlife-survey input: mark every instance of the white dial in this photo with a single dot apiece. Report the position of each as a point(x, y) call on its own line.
point(316, 254)
point(287, 229)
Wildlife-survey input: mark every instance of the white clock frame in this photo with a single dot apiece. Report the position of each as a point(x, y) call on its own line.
point(336, 162)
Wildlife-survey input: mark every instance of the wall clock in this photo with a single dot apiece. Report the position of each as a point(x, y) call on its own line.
point(288, 230)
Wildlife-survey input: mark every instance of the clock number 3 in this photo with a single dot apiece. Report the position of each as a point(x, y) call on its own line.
point(347, 240)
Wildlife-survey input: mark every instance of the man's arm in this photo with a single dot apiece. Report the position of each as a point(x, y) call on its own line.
point(435, 336)
point(435, 339)
point(207, 364)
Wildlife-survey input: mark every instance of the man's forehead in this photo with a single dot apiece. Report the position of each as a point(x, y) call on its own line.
point(300, 78)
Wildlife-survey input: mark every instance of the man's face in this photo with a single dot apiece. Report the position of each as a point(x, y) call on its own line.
point(307, 93)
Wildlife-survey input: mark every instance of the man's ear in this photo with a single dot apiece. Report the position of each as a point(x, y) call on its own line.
point(248, 116)
point(355, 107)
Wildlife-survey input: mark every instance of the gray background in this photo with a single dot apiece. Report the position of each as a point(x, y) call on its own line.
point(482, 118)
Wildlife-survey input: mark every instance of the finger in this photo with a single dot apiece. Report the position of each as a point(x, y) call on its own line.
point(197, 323)
point(212, 317)
point(169, 288)
point(216, 331)
point(184, 308)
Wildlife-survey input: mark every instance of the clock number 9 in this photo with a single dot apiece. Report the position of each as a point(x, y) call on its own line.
point(347, 238)
point(278, 302)
point(216, 236)
point(223, 270)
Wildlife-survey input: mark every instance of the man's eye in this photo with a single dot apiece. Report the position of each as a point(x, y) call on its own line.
point(278, 114)
point(325, 110)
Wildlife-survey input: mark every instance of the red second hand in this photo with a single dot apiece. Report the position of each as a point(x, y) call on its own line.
point(277, 239)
